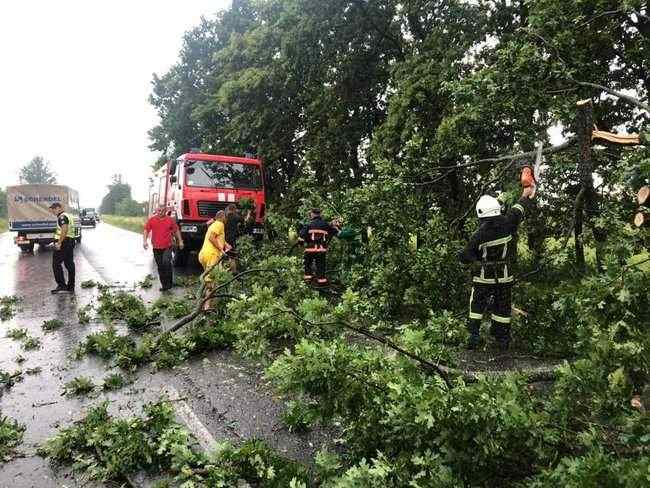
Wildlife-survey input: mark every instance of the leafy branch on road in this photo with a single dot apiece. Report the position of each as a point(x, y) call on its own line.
point(11, 435)
point(8, 307)
point(31, 343)
point(104, 448)
point(52, 324)
point(17, 333)
point(7, 380)
point(81, 385)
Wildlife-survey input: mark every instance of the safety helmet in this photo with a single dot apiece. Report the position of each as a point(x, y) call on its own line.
point(488, 206)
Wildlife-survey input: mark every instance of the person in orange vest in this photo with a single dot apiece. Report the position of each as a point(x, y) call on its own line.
point(316, 236)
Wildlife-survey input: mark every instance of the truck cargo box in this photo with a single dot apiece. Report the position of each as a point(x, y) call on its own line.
point(29, 214)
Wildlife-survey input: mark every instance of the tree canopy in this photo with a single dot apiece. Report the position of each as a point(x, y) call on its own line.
point(397, 116)
point(118, 200)
point(37, 171)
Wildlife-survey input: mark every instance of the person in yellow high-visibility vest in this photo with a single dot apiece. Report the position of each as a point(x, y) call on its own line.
point(63, 250)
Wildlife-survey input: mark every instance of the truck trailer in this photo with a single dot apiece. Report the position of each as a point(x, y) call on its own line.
point(29, 215)
point(196, 186)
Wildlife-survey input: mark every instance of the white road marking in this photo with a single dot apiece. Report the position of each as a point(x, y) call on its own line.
point(189, 418)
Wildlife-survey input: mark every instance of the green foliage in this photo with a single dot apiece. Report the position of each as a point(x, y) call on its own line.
point(3, 205)
point(88, 284)
point(81, 385)
point(124, 306)
point(134, 224)
point(106, 448)
point(113, 382)
point(31, 343)
point(596, 468)
point(37, 171)
point(128, 207)
point(11, 435)
point(186, 281)
point(7, 380)
point(364, 109)
point(84, 314)
point(17, 333)
point(147, 282)
point(105, 344)
point(299, 416)
point(173, 308)
point(8, 306)
point(52, 324)
point(164, 351)
point(117, 192)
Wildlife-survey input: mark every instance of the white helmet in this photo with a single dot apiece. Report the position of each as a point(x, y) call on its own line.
point(488, 206)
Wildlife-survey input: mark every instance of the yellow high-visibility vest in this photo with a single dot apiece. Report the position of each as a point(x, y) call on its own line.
point(57, 234)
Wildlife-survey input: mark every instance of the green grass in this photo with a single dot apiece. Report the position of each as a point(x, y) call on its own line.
point(134, 224)
point(3, 225)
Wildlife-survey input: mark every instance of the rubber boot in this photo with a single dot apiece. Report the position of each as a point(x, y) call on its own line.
point(501, 333)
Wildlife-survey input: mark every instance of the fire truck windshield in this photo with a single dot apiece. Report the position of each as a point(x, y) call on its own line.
point(223, 175)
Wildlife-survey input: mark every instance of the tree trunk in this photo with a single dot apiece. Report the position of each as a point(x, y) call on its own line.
point(586, 212)
point(577, 230)
point(643, 195)
point(642, 218)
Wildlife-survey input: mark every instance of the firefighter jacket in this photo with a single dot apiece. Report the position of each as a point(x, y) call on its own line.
point(317, 234)
point(493, 246)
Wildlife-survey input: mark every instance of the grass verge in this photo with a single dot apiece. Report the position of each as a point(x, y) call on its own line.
point(134, 224)
point(3, 225)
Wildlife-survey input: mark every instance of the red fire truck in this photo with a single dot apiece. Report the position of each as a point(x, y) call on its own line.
point(196, 186)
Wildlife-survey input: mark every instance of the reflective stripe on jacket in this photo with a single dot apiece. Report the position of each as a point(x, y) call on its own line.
point(316, 235)
point(493, 246)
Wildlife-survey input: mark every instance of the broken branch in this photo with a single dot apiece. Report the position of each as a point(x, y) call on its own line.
point(618, 94)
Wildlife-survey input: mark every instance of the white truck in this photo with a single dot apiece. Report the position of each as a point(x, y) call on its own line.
point(30, 217)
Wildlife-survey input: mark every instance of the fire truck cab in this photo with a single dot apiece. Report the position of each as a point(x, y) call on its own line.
point(196, 186)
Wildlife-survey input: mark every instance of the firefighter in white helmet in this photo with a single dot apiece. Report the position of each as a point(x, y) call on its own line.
point(492, 247)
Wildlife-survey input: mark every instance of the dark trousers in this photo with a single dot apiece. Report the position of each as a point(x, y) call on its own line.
point(496, 299)
point(319, 261)
point(163, 259)
point(65, 256)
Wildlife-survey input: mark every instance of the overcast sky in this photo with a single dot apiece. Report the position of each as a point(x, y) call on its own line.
point(74, 80)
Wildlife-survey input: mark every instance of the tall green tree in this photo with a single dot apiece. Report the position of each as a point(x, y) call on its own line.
point(37, 171)
point(118, 191)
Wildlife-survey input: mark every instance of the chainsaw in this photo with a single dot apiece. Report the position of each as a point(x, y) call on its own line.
point(530, 174)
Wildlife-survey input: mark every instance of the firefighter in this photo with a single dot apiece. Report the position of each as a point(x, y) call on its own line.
point(63, 250)
point(316, 236)
point(493, 247)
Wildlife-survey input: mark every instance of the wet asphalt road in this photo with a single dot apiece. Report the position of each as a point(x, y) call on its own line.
point(218, 396)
